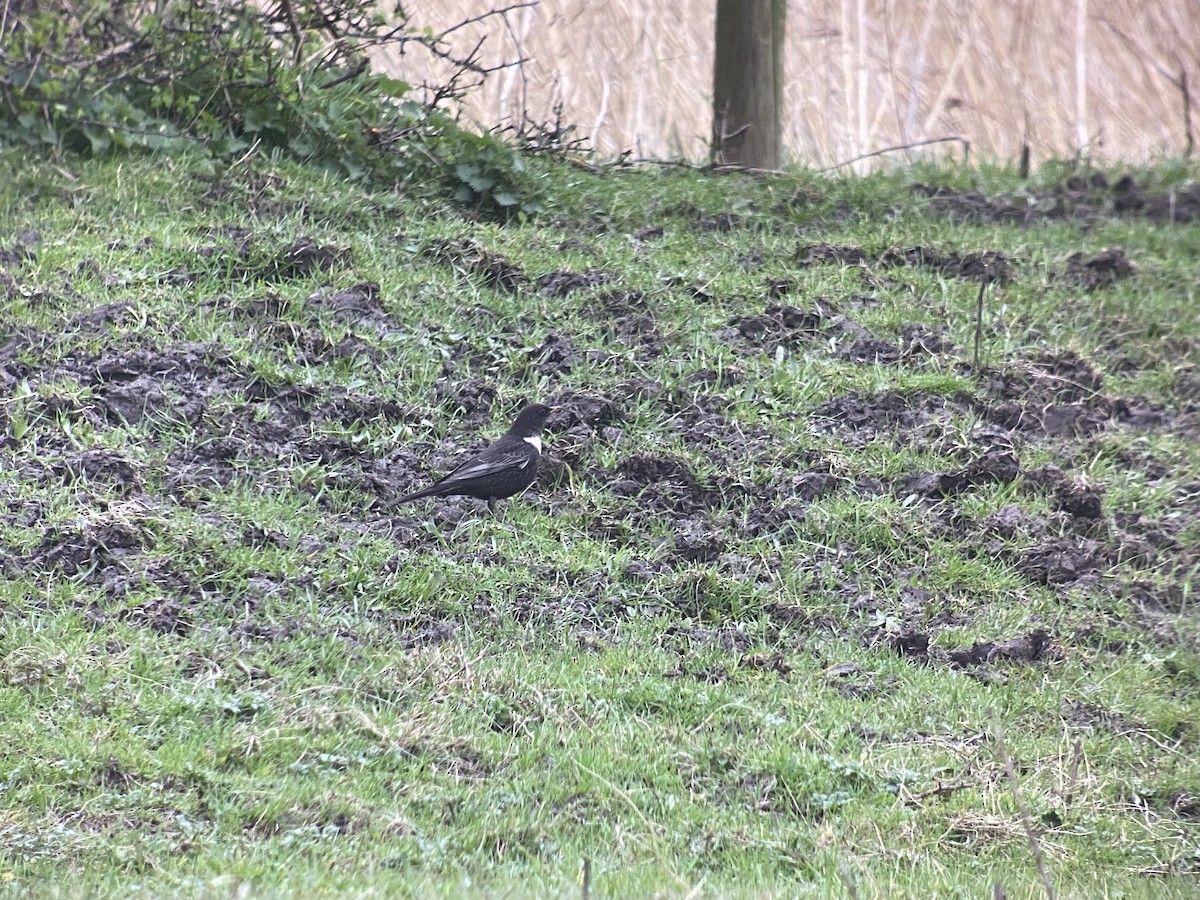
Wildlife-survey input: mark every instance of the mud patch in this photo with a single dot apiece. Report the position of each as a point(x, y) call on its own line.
point(665, 483)
point(1028, 648)
point(1086, 198)
point(987, 266)
point(858, 420)
point(626, 316)
point(472, 258)
point(1061, 395)
point(1105, 268)
point(782, 326)
point(99, 466)
point(90, 549)
point(998, 465)
point(555, 355)
point(1082, 714)
point(1062, 560)
point(357, 304)
point(560, 284)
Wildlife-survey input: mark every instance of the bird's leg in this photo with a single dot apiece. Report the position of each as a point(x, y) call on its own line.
point(492, 505)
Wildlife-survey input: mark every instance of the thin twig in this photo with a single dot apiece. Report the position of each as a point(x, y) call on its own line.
point(1076, 753)
point(979, 321)
point(1189, 138)
point(1035, 842)
point(942, 790)
point(966, 145)
point(479, 18)
point(294, 27)
point(347, 76)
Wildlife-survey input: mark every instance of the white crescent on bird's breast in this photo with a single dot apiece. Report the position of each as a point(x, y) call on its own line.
point(534, 441)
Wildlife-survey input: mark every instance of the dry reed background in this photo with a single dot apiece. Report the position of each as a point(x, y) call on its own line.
point(1098, 76)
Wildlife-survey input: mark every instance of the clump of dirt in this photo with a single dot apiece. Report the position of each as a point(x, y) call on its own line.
point(626, 315)
point(1054, 394)
point(577, 422)
point(794, 328)
point(791, 327)
point(696, 540)
point(1081, 714)
point(1027, 648)
point(786, 325)
point(1105, 268)
point(91, 548)
point(237, 253)
point(21, 250)
point(472, 258)
point(301, 258)
point(854, 683)
point(259, 193)
point(1062, 560)
point(649, 233)
point(164, 615)
point(662, 483)
point(917, 645)
point(997, 465)
point(357, 304)
point(972, 206)
point(717, 379)
point(1011, 521)
point(555, 355)
point(559, 284)
point(918, 340)
point(424, 632)
point(869, 350)
point(721, 222)
point(212, 464)
point(574, 410)
point(1081, 198)
point(166, 383)
point(987, 266)
point(100, 466)
point(472, 399)
point(910, 643)
point(833, 254)
point(1056, 377)
point(1078, 499)
point(910, 416)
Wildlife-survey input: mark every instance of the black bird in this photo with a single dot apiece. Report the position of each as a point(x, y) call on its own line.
point(501, 469)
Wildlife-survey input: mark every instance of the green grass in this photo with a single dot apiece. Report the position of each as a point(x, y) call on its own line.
point(227, 668)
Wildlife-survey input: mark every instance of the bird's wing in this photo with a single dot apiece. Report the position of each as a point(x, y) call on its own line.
point(491, 461)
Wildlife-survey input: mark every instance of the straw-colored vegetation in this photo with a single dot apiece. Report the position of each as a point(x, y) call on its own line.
point(1064, 75)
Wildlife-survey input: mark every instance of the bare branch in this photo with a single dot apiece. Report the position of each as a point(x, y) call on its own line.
point(966, 145)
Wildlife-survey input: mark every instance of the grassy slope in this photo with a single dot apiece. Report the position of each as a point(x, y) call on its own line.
point(297, 726)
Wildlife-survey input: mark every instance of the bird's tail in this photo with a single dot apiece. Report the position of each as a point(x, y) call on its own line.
point(433, 491)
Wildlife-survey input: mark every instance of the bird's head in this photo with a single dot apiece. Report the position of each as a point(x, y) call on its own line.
point(530, 420)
